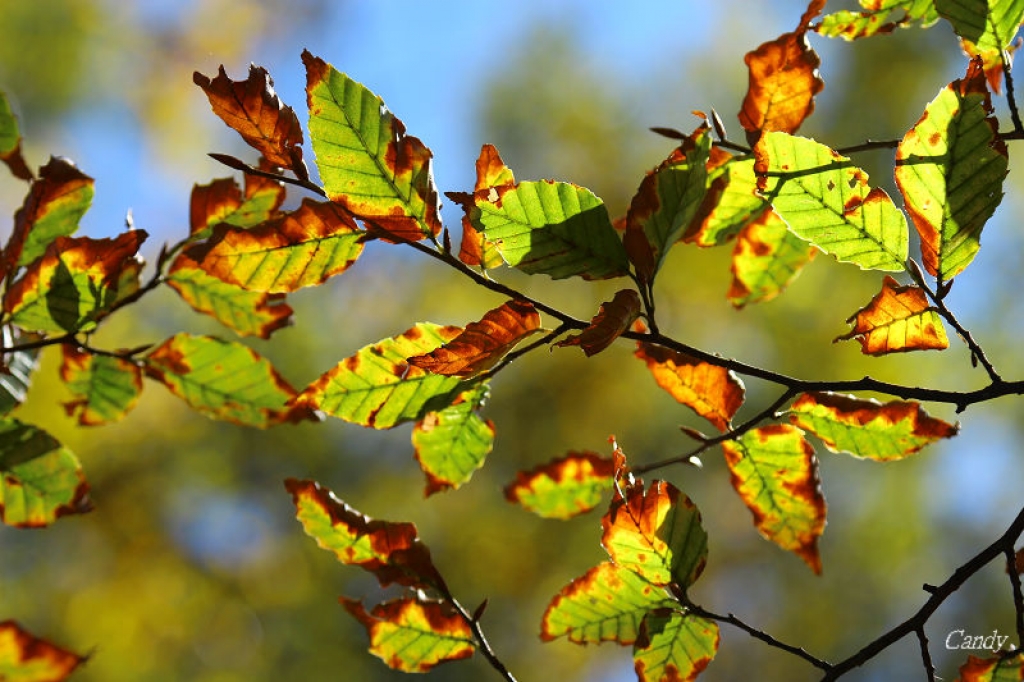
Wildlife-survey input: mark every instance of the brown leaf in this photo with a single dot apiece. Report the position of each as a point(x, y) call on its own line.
point(482, 344)
point(253, 109)
point(37, 659)
point(491, 172)
point(783, 82)
point(898, 319)
point(614, 317)
point(223, 201)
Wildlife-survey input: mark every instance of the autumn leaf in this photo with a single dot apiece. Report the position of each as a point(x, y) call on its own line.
point(674, 645)
point(225, 380)
point(378, 387)
point(950, 168)
point(452, 443)
point(828, 202)
point(988, 26)
point(105, 388)
point(40, 480)
point(367, 163)
point(74, 283)
point(222, 201)
point(564, 487)
point(775, 472)
point(996, 669)
point(10, 142)
point(482, 345)
point(766, 258)
point(300, 249)
point(876, 18)
point(613, 318)
point(898, 319)
point(253, 109)
point(491, 172)
point(732, 203)
point(657, 534)
point(606, 604)
point(867, 428)
point(414, 635)
point(782, 84)
point(27, 658)
point(713, 392)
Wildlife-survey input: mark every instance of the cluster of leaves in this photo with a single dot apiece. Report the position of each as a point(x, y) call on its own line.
point(779, 200)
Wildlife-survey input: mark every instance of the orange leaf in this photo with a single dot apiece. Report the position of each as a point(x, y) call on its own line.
point(783, 82)
point(713, 392)
point(898, 319)
point(25, 657)
point(614, 317)
point(222, 201)
point(482, 344)
point(491, 172)
point(253, 109)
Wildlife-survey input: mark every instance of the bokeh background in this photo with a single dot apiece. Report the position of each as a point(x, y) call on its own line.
point(192, 566)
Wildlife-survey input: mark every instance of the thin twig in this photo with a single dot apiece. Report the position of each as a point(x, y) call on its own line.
point(926, 654)
point(1011, 99)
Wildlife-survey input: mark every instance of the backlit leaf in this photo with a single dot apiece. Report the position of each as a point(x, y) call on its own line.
point(378, 387)
point(40, 479)
point(452, 443)
point(10, 142)
point(392, 551)
point(657, 534)
point(105, 388)
point(367, 162)
point(614, 317)
point(898, 319)
point(73, 284)
point(300, 249)
point(606, 604)
point(674, 646)
point(877, 17)
point(736, 203)
point(867, 428)
point(27, 658)
point(992, 669)
point(249, 313)
point(564, 487)
point(54, 206)
point(222, 201)
point(414, 635)
point(767, 257)
point(950, 168)
point(775, 472)
point(827, 201)
point(782, 84)
point(989, 25)
point(491, 171)
point(224, 380)
point(253, 109)
point(713, 392)
point(19, 365)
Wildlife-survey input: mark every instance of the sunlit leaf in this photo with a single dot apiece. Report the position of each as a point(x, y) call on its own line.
point(950, 168)
point(367, 162)
point(73, 284)
point(300, 249)
point(378, 387)
point(222, 201)
point(674, 646)
point(736, 203)
point(452, 443)
point(898, 319)
point(40, 480)
point(877, 17)
point(564, 487)
point(989, 25)
point(27, 658)
point(767, 257)
point(782, 84)
point(483, 344)
point(10, 142)
point(19, 365)
point(105, 388)
point(224, 380)
point(992, 669)
point(414, 635)
point(606, 604)
point(392, 551)
point(657, 534)
point(775, 472)
point(491, 172)
point(253, 109)
point(867, 428)
point(249, 313)
point(827, 201)
point(613, 318)
point(713, 392)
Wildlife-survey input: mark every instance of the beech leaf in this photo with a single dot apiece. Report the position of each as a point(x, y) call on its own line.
point(876, 17)
point(222, 201)
point(996, 669)
point(564, 487)
point(491, 172)
point(674, 645)
point(10, 142)
point(452, 443)
point(105, 388)
point(27, 658)
point(613, 318)
point(898, 319)
point(782, 84)
point(732, 202)
point(988, 26)
point(766, 258)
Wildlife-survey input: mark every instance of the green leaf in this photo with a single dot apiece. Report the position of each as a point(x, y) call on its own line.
point(867, 428)
point(105, 388)
point(10, 142)
point(990, 25)
point(995, 669)
point(564, 487)
point(674, 646)
point(877, 18)
point(367, 162)
point(15, 381)
point(377, 386)
point(950, 168)
point(767, 257)
point(775, 472)
point(224, 380)
point(827, 202)
point(53, 208)
point(606, 604)
point(222, 201)
point(40, 480)
point(26, 658)
point(736, 202)
point(452, 443)
point(551, 228)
